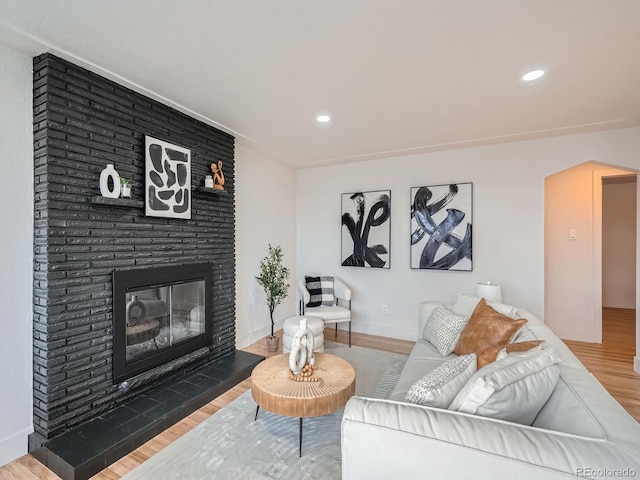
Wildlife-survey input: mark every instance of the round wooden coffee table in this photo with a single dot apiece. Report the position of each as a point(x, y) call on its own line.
point(273, 390)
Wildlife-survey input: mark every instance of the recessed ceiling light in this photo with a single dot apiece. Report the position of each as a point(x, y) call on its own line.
point(532, 75)
point(323, 118)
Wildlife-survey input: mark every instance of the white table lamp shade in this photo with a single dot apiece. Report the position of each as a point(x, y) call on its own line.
point(489, 291)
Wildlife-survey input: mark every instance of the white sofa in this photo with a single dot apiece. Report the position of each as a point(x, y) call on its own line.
point(581, 431)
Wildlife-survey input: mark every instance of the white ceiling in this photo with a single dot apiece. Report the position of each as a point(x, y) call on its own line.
point(403, 76)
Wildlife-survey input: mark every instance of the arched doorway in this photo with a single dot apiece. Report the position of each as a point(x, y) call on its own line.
point(573, 250)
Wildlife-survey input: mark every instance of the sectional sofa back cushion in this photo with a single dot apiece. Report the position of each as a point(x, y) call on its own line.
point(514, 388)
point(487, 328)
point(567, 410)
point(466, 304)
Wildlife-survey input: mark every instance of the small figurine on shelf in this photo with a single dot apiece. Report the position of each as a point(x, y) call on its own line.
point(218, 176)
point(125, 188)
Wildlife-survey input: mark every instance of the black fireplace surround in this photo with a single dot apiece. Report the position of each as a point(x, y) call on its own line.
point(86, 412)
point(82, 122)
point(159, 314)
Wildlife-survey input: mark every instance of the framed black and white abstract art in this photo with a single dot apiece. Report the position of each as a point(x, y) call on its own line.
point(441, 220)
point(366, 229)
point(167, 179)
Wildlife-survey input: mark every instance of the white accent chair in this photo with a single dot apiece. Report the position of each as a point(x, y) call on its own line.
point(335, 314)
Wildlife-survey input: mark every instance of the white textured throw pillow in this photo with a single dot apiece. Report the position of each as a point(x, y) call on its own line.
point(466, 304)
point(443, 328)
point(439, 387)
point(514, 388)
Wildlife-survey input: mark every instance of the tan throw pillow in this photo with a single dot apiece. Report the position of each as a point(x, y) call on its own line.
point(488, 355)
point(487, 328)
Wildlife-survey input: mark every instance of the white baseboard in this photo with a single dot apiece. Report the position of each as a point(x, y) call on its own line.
point(373, 329)
point(636, 364)
point(574, 334)
point(14, 446)
point(381, 330)
point(256, 335)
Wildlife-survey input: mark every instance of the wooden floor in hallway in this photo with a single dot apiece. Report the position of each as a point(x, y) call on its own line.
point(611, 362)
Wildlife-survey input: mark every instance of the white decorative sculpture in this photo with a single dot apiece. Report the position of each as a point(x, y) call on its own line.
point(109, 172)
point(301, 348)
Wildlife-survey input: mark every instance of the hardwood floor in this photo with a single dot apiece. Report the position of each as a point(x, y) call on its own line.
point(611, 363)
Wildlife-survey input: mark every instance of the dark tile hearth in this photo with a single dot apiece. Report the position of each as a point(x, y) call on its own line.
point(88, 448)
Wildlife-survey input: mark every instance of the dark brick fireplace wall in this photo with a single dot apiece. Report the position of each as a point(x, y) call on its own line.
point(83, 121)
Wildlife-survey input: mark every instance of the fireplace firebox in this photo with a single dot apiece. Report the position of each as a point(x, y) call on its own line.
point(160, 314)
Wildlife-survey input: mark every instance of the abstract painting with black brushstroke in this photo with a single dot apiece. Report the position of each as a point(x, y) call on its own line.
point(441, 219)
point(366, 229)
point(167, 179)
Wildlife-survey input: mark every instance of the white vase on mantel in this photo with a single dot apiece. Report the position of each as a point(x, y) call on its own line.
point(109, 173)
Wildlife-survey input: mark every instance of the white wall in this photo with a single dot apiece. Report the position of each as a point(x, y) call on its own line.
point(574, 268)
point(569, 276)
point(16, 253)
point(508, 228)
point(619, 245)
point(265, 213)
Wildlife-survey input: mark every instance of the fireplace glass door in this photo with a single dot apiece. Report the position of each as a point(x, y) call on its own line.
point(161, 317)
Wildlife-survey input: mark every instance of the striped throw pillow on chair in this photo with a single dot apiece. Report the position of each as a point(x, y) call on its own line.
point(321, 291)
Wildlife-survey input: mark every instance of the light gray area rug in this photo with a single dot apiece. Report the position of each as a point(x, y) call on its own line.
point(231, 445)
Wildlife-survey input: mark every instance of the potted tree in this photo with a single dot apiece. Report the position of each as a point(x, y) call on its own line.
point(273, 279)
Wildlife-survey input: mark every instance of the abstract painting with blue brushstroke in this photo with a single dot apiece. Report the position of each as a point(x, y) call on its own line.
point(441, 219)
